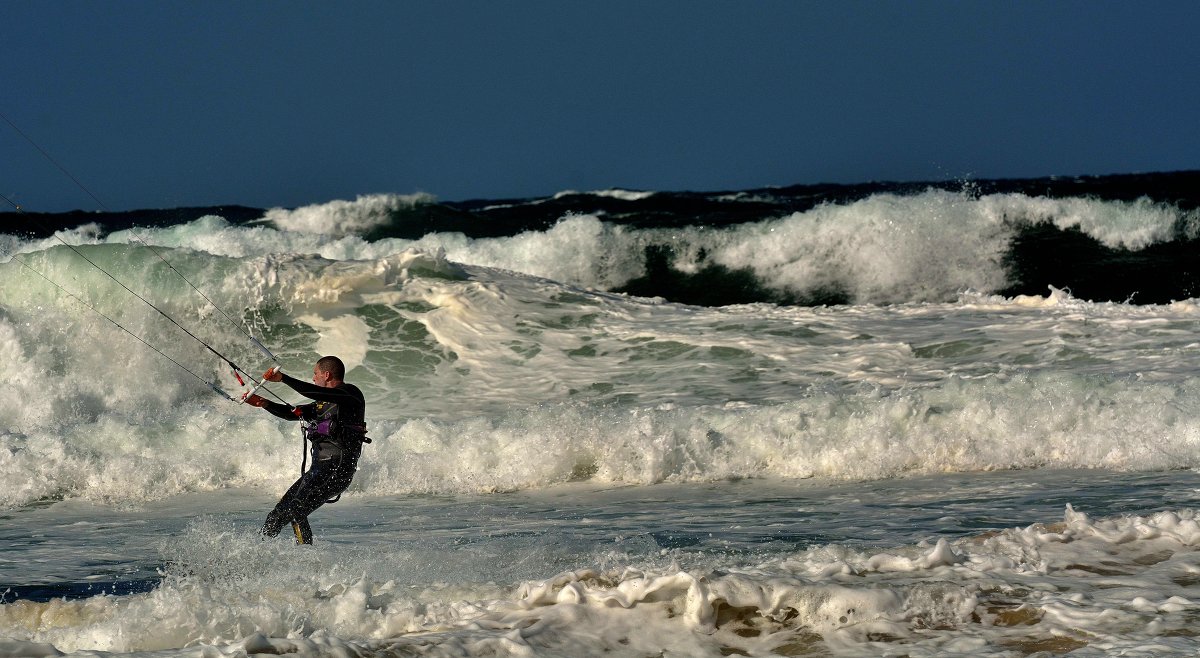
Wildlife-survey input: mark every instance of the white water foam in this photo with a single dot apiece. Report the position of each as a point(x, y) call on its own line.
point(612, 193)
point(468, 371)
point(341, 218)
point(1124, 584)
point(482, 379)
point(1131, 225)
point(883, 249)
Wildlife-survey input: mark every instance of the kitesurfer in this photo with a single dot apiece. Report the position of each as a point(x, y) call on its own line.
point(335, 425)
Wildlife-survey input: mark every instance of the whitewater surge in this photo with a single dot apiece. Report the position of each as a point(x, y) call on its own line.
point(470, 370)
point(888, 420)
point(887, 248)
point(342, 218)
point(884, 249)
point(1120, 584)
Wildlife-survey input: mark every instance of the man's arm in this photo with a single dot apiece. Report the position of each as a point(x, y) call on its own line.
point(284, 411)
point(320, 393)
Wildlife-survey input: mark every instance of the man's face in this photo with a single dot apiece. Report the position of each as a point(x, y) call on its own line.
point(320, 378)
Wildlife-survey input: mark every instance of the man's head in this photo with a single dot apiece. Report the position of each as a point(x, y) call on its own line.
point(329, 372)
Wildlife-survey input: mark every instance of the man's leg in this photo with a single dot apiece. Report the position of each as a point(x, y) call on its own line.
point(325, 480)
point(290, 505)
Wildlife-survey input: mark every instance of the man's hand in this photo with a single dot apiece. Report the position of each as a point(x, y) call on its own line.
point(254, 401)
point(273, 375)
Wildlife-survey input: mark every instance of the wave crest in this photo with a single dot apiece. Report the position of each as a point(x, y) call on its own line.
point(341, 218)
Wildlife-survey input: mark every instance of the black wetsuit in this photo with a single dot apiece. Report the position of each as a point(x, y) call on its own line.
point(334, 452)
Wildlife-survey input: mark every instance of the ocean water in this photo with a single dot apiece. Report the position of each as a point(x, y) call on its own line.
point(877, 420)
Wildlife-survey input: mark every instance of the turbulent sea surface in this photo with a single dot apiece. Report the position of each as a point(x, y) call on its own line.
point(869, 420)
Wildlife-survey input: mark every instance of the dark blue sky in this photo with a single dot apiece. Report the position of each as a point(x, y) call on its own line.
point(163, 104)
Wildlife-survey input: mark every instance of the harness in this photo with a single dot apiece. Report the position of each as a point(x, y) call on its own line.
point(326, 427)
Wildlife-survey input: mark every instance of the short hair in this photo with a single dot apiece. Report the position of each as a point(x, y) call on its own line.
point(333, 366)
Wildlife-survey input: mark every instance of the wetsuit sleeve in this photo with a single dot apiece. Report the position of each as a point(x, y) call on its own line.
point(283, 411)
point(320, 393)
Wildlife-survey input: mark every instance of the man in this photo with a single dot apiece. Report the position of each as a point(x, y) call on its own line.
point(336, 426)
